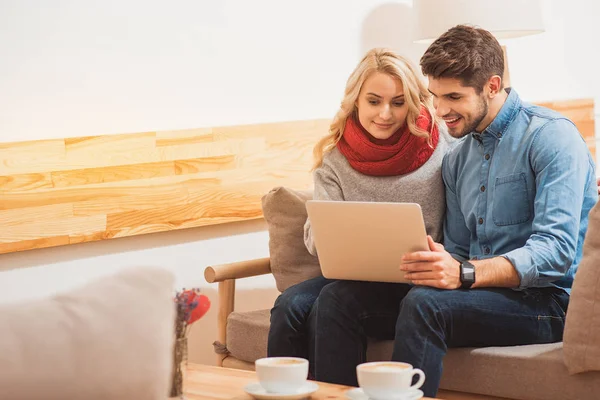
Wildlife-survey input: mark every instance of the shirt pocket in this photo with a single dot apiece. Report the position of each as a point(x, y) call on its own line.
point(511, 203)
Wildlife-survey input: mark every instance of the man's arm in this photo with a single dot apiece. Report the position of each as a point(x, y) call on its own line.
point(438, 268)
point(495, 272)
point(564, 173)
point(559, 159)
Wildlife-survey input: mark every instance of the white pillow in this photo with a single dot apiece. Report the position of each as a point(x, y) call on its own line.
point(110, 339)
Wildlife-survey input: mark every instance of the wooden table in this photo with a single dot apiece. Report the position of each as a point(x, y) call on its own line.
point(208, 382)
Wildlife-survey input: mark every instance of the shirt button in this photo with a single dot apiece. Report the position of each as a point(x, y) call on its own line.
point(487, 156)
point(499, 135)
point(480, 221)
point(487, 250)
point(482, 188)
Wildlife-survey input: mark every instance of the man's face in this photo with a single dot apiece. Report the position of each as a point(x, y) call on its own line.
point(460, 106)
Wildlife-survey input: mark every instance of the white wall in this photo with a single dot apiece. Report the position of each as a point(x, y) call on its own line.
point(76, 68)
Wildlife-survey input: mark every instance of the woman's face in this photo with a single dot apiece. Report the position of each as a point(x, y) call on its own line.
point(381, 107)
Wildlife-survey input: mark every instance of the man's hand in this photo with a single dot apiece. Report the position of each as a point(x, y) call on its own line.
point(435, 268)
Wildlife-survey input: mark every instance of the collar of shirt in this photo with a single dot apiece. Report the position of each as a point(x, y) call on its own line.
point(505, 116)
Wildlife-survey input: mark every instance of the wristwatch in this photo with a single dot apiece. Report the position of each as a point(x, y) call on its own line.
point(467, 275)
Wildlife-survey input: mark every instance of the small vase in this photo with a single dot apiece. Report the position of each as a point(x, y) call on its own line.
point(179, 368)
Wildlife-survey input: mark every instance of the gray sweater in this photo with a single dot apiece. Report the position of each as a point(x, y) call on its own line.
point(336, 180)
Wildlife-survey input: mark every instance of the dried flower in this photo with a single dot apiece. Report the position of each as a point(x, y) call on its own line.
point(190, 305)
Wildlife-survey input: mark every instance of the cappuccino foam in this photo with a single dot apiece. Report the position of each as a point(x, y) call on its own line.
point(389, 367)
point(287, 362)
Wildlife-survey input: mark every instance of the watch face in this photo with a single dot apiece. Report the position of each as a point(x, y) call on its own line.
point(467, 273)
point(468, 276)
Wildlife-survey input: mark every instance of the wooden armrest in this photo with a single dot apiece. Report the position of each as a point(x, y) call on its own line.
point(226, 274)
point(242, 269)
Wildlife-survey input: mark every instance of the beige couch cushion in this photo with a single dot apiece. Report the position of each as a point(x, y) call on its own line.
point(285, 212)
point(247, 334)
point(582, 329)
point(110, 339)
point(532, 372)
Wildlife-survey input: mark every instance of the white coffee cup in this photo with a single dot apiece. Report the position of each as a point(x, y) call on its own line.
point(388, 380)
point(282, 375)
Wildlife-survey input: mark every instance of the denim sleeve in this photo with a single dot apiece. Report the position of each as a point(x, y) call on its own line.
point(561, 164)
point(456, 233)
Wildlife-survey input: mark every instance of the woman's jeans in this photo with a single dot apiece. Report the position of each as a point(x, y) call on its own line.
point(292, 329)
point(424, 322)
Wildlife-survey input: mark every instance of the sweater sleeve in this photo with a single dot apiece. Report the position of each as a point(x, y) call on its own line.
point(327, 187)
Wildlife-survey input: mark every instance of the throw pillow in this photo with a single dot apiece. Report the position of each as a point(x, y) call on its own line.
point(285, 212)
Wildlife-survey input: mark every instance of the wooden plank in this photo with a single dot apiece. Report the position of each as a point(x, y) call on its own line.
point(25, 182)
point(218, 203)
point(206, 164)
point(87, 176)
point(122, 143)
point(165, 195)
point(23, 200)
point(48, 227)
point(184, 136)
point(213, 149)
point(29, 215)
point(39, 156)
point(31, 244)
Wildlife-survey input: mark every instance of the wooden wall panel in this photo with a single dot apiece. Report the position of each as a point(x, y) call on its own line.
point(65, 191)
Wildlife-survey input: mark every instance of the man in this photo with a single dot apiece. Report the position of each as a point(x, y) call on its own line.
point(519, 187)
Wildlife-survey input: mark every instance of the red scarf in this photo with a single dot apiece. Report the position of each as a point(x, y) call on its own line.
point(399, 154)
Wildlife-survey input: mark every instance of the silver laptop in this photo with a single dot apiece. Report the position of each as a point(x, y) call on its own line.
point(365, 241)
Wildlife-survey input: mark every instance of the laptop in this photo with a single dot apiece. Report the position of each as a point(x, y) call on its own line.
point(365, 241)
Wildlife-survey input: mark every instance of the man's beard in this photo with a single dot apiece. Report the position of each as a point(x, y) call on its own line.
point(482, 111)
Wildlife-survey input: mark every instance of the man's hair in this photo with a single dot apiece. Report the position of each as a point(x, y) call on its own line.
point(470, 54)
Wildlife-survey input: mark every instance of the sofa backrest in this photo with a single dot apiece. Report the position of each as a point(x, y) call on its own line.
point(582, 329)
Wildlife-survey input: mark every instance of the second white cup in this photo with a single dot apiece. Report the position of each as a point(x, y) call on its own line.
point(388, 380)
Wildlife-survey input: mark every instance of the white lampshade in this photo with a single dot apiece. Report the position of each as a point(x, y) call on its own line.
point(503, 18)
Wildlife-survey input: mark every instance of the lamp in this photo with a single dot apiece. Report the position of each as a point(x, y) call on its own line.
point(504, 19)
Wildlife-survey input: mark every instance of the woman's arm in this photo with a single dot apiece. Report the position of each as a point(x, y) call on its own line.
point(327, 187)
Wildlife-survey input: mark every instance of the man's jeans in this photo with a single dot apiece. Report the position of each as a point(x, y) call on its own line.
point(425, 322)
point(292, 329)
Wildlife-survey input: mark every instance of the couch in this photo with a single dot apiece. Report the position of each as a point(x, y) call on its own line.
point(566, 370)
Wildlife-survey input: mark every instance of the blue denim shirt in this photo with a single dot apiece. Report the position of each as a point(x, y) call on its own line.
point(521, 189)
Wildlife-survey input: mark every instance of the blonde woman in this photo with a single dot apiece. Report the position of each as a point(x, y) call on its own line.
point(384, 145)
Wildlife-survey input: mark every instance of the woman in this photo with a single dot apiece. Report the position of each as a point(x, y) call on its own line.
point(384, 145)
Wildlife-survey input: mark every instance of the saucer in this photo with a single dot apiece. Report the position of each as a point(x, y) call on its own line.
point(258, 392)
point(358, 394)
